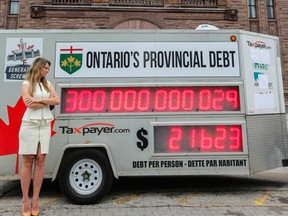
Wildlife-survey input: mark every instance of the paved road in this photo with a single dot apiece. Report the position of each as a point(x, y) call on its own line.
point(261, 194)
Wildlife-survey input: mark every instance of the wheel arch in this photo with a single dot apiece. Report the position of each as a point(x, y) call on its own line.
point(72, 147)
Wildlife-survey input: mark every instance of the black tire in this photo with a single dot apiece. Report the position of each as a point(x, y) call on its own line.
point(85, 176)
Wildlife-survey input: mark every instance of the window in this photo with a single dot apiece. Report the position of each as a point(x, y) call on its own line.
point(270, 9)
point(252, 9)
point(14, 7)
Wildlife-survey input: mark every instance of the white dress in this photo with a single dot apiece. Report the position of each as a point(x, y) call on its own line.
point(36, 126)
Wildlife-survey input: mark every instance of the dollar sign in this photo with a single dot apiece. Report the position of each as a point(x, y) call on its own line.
point(144, 142)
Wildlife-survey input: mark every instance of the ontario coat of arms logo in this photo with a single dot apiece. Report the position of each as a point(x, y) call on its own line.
point(71, 59)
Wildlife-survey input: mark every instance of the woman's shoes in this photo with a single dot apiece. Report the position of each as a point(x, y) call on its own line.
point(30, 213)
point(34, 211)
point(25, 211)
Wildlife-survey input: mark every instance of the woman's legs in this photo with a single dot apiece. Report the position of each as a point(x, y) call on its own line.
point(25, 180)
point(38, 176)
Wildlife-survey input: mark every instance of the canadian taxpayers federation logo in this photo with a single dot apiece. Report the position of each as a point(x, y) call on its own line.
point(71, 59)
point(97, 128)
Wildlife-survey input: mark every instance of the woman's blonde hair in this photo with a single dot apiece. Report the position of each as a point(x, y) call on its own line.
point(33, 74)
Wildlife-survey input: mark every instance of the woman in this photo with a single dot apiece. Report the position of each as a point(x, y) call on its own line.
point(34, 135)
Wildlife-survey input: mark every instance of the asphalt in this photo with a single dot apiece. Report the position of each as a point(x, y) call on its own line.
point(7, 185)
point(143, 205)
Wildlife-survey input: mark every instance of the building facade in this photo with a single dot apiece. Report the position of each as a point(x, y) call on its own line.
point(263, 16)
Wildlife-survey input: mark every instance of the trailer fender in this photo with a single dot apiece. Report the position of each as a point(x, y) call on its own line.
point(90, 145)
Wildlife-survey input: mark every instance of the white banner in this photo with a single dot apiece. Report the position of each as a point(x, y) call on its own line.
point(147, 59)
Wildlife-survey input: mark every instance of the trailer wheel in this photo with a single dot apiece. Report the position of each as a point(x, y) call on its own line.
point(85, 176)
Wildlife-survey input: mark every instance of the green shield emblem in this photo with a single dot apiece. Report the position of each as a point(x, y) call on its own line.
point(70, 62)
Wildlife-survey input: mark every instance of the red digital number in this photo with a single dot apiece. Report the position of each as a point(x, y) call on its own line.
point(150, 99)
point(116, 100)
point(130, 100)
point(143, 100)
point(85, 100)
point(193, 138)
point(218, 101)
point(204, 139)
point(188, 100)
point(219, 140)
point(72, 101)
point(175, 139)
point(235, 139)
point(205, 99)
point(99, 99)
point(206, 142)
point(232, 96)
point(174, 100)
point(160, 100)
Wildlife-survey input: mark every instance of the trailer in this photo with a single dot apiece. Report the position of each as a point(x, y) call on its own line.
point(148, 103)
